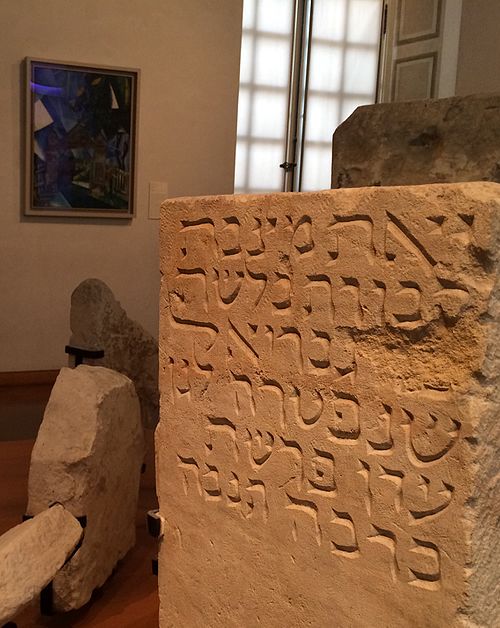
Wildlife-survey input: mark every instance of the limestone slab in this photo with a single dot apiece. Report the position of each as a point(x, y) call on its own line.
point(98, 321)
point(328, 442)
point(424, 141)
point(87, 456)
point(31, 554)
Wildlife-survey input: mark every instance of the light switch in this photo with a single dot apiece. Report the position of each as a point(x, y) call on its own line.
point(158, 192)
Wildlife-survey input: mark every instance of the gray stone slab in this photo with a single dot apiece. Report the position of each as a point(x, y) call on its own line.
point(424, 141)
point(31, 554)
point(98, 321)
point(88, 457)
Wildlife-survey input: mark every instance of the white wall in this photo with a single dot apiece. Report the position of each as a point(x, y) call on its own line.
point(188, 53)
point(478, 60)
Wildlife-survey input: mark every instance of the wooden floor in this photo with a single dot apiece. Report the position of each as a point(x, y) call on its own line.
point(129, 598)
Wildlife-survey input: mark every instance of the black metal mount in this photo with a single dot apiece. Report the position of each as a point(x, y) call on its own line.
point(80, 354)
point(288, 166)
point(47, 600)
point(154, 529)
point(154, 523)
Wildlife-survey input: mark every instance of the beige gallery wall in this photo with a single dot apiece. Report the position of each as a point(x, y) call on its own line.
point(188, 54)
point(479, 53)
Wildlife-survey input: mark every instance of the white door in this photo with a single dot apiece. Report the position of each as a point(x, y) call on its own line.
point(419, 49)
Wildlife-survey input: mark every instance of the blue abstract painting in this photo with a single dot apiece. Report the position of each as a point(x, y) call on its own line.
point(82, 137)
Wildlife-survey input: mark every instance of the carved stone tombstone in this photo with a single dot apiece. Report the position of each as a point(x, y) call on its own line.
point(98, 321)
point(31, 554)
point(423, 141)
point(328, 442)
point(87, 457)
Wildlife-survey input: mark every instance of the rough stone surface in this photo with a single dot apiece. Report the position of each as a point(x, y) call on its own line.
point(98, 321)
point(88, 456)
point(426, 141)
point(328, 441)
point(31, 554)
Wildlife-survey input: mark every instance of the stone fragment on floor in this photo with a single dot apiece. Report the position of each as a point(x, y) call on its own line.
point(422, 141)
point(98, 321)
point(88, 456)
point(328, 448)
point(31, 554)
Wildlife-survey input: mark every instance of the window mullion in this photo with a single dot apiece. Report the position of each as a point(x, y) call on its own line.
point(296, 98)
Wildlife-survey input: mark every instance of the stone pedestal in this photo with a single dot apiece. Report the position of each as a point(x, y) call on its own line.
point(328, 442)
point(423, 141)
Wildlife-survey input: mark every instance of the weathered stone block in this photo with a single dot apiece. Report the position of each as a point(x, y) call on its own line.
point(98, 321)
point(31, 554)
point(423, 141)
point(328, 441)
point(88, 456)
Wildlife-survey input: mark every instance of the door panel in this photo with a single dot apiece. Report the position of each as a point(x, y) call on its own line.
point(418, 20)
point(412, 49)
point(414, 77)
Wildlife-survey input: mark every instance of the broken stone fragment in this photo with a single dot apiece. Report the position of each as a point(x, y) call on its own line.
point(98, 321)
point(422, 141)
point(31, 554)
point(88, 456)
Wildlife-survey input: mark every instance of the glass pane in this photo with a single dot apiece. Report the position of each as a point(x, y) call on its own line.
point(361, 71)
point(325, 71)
point(272, 64)
point(243, 111)
point(263, 100)
point(350, 104)
point(322, 118)
point(329, 19)
point(240, 174)
point(265, 173)
point(269, 115)
point(317, 167)
point(274, 16)
point(246, 68)
point(249, 14)
point(363, 15)
point(343, 75)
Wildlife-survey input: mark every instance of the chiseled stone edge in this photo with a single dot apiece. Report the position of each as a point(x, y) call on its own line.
point(103, 302)
point(31, 554)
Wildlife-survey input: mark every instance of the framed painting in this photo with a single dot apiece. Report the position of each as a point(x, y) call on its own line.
point(81, 128)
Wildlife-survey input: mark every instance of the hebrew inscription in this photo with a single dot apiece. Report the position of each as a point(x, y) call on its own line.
point(317, 360)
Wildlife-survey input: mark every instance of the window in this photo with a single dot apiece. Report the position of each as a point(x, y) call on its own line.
point(305, 66)
point(266, 46)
